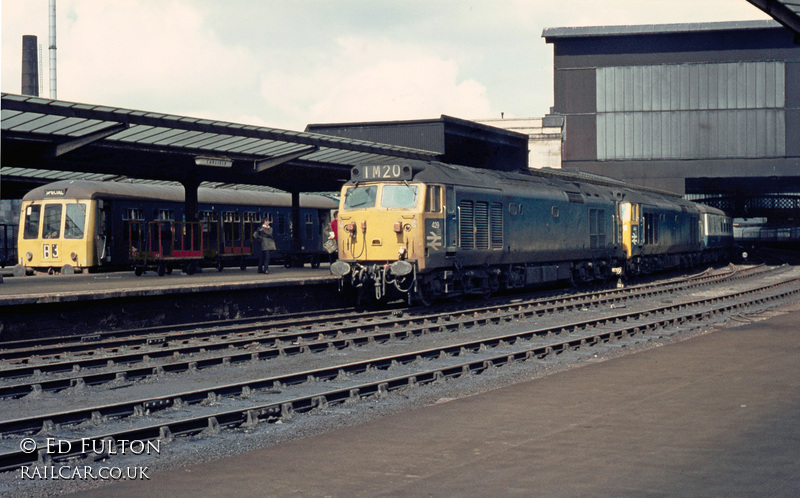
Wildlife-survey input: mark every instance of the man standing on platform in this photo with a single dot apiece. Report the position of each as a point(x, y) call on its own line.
point(263, 241)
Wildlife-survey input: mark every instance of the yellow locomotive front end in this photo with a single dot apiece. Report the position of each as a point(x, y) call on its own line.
point(383, 230)
point(55, 235)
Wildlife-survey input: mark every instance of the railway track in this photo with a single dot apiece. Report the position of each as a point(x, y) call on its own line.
point(153, 338)
point(321, 336)
point(276, 398)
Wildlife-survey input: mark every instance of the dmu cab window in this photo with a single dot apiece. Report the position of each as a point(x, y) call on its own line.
point(399, 196)
point(32, 215)
point(52, 221)
point(75, 222)
point(360, 197)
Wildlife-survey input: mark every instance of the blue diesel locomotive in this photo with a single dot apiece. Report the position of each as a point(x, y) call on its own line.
point(425, 230)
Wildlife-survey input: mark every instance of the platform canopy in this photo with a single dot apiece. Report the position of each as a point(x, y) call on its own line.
point(54, 135)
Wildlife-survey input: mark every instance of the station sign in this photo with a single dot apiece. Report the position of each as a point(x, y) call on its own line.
point(381, 172)
point(217, 162)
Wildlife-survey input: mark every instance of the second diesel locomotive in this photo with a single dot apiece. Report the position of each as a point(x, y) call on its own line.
point(425, 230)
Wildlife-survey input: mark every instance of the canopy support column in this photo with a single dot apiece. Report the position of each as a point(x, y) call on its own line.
point(190, 202)
point(297, 239)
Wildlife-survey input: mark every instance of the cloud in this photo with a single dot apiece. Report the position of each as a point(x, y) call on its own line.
point(120, 52)
point(369, 80)
point(287, 64)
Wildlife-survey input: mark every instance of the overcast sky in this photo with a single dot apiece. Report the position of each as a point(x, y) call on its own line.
point(285, 64)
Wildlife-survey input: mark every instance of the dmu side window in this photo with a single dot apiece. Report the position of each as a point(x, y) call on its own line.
point(309, 227)
point(281, 224)
point(32, 215)
point(52, 221)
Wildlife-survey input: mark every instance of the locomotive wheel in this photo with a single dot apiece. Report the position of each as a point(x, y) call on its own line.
point(162, 269)
point(138, 271)
point(242, 264)
point(315, 261)
point(422, 297)
point(219, 263)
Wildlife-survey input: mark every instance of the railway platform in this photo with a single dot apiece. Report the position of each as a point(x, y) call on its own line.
point(79, 304)
point(715, 415)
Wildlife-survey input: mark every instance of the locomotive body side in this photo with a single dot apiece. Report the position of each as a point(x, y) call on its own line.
point(426, 230)
point(464, 231)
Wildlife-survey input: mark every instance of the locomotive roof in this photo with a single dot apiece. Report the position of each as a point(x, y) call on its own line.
point(87, 189)
point(566, 181)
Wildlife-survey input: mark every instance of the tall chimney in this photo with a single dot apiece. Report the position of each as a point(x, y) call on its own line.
point(53, 49)
point(30, 65)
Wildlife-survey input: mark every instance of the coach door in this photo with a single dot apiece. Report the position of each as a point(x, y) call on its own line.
point(102, 249)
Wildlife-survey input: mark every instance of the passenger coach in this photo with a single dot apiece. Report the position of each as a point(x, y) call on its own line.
point(74, 225)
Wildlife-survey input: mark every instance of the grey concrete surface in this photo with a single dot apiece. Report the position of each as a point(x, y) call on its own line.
point(716, 415)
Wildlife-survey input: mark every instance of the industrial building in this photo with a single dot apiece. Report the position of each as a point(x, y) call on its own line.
point(708, 110)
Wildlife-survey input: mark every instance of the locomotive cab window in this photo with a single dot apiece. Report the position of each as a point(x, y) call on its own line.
point(399, 196)
point(360, 197)
point(433, 200)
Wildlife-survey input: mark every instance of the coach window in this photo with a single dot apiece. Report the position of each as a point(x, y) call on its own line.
point(75, 221)
point(309, 227)
point(52, 221)
point(433, 201)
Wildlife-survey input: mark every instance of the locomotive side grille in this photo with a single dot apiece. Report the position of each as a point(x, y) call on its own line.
point(496, 225)
point(467, 224)
point(482, 225)
point(597, 228)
